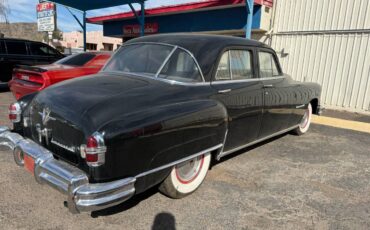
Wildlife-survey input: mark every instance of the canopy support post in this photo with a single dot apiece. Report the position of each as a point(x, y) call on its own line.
point(84, 30)
point(248, 28)
point(141, 18)
point(82, 24)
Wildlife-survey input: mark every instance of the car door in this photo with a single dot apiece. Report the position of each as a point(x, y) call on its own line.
point(17, 54)
point(239, 89)
point(277, 94)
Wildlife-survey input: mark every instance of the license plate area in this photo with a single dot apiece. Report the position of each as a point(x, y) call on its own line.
point(29, 163)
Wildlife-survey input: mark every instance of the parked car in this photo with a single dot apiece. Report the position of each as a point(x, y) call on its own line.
point(157, 114)
point(22, 52)
point(27, 79)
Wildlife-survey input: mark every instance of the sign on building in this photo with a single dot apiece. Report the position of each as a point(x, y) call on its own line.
point(46, 17)
point(134, 30)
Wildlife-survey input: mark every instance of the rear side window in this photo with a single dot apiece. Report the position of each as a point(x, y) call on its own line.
point(17, 48)
point(181, 67)
point(77, 59)
point(268, 65)
point(235, 65)
point(38, 49)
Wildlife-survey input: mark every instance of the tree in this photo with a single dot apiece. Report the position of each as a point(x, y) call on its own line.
point(4, 11)
point(57, 34)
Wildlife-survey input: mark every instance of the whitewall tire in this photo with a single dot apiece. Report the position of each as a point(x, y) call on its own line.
point(186, 177)
point(305, 122)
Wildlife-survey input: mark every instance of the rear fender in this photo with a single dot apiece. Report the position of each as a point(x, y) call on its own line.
point(147, 140)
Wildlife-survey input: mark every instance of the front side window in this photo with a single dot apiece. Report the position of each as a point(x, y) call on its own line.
point(181, 67)
point(139, 58)
point(268, 66)
point(235, 65)
point(17, 48)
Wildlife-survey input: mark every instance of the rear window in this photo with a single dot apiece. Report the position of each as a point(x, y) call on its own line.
point(17, 48)
point(76, 59)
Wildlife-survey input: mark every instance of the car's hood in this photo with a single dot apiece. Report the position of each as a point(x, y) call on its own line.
point(91, 101)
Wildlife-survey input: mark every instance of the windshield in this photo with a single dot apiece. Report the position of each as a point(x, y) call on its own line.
point(77, 59)
point(139, 58)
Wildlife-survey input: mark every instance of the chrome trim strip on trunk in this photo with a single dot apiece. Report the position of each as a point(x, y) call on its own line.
point(255, 142)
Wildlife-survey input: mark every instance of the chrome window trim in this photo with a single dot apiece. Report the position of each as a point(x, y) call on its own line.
point(165, 61)
point(171, 82)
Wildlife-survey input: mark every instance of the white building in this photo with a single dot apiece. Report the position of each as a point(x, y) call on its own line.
point(95, 41)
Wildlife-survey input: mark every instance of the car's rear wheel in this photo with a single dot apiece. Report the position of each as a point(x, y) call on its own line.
point(305, 122)
point(186, 177)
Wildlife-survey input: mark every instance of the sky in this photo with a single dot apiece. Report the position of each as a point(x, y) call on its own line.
point(25, 11)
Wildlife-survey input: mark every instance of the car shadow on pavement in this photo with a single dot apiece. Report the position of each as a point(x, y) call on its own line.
point(135, 200)
point(164, 220)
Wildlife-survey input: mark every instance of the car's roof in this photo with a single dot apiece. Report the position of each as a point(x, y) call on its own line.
point(186, 39)
point(205, 48)
point(19, 40)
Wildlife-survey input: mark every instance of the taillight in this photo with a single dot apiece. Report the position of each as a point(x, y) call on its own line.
point(95, 150)
point(15, 112)
point(31, 77)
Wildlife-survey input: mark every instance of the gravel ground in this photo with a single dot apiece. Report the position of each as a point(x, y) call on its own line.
point(316, 181)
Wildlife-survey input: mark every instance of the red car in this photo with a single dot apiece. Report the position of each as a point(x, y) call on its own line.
point(27, 79)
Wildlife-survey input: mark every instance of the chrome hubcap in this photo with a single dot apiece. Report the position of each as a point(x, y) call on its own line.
point(305, 119)
point(188, 171)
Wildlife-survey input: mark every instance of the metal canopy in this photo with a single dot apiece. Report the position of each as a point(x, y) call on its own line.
point(86, 5)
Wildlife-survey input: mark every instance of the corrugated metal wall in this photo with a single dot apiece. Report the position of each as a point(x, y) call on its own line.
point(327, 41)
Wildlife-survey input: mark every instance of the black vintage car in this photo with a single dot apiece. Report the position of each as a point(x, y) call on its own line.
point(23, 52)
point(160, 110)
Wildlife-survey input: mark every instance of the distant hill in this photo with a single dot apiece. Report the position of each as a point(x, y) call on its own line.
point(21, 30)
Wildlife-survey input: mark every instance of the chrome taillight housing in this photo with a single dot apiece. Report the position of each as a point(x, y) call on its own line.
point(15, 112)
point(95, 150)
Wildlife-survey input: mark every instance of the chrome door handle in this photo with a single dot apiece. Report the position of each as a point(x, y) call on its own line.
point(224, 91)
point(268, 86)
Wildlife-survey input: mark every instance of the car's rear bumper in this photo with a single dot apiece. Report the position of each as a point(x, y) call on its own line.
point(69, 180)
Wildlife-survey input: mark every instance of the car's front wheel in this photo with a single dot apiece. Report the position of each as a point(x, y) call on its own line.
point(186, 177)
point(305, 122)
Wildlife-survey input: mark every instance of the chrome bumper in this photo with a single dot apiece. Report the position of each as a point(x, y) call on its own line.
point(67, 179)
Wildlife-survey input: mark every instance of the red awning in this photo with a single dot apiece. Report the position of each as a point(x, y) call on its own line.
point(177, 9)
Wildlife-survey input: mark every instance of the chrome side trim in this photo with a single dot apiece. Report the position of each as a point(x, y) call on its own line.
point(179, 161)
point(300, 106)
point(218, 157)
point(246, 80)
point(255, 142)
